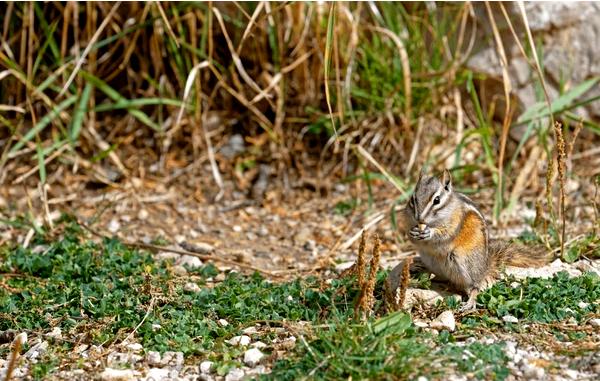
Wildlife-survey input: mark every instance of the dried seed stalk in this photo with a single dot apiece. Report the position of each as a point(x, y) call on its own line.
point(561, 158)
point(366, 282)
point(394, 299)
point(361, 262)
point(374, 266)
point(549, 177)
point(401, 292)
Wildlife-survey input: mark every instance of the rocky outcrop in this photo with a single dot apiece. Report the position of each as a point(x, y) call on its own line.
point(567, 34)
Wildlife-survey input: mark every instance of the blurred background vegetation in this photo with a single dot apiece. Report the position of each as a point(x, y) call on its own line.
point(317, 90)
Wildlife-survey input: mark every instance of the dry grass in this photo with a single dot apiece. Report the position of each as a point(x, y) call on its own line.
point(110, 92)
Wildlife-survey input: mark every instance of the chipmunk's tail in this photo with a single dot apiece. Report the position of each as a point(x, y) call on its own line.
point(505, 254)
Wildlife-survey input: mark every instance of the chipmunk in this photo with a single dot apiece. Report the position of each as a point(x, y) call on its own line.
point(451, 237)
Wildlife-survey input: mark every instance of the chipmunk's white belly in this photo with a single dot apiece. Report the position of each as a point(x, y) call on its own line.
point(446, 267)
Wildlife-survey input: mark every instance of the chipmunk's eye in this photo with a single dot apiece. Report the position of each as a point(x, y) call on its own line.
point(436, 200)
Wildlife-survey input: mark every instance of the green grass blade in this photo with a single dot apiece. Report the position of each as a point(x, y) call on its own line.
point(115, 96)
point(46, 120)
point(79, 113)
point(562, 103)
point(41, 164)
point(134, 103)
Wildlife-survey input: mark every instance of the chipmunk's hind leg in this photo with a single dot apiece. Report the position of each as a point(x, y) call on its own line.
point(471, 303)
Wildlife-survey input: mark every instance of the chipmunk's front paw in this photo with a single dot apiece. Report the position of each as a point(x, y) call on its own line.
point(420, 235)
point(468, 306)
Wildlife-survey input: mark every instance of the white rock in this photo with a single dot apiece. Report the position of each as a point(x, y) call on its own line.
point(158, 374)
point(153, 358)
point(223, 323)
point(510, 319)
point(142, 214)
point(179, 270)
point(37, 350)
point(110, 374)
point(259, 369)
point(172, 359)
point(510, 348)
point(445, 321)
point(259, 345)
point(594, 322)
point(557, 263)
point(250, 330)
point(583, 305)
point(421, 324)
point(237, 228)
point(239, 341)
point(532, 372)
point(56, 333)
point(118, 359)
point(343, 266)
point(191, 261)
point(422, 378)
point(206, 367)
point(167, 255)
point(235, 374)
point(191, 287)
point(416, 296)
point(252, 357)
point(136, 347)
point(113, 227)
point(571, 374)
point(80, 348)
point(156, 327)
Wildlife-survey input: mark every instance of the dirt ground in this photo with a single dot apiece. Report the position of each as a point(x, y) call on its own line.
point(285, 232)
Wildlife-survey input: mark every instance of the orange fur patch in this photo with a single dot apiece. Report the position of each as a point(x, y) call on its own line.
point(470, 237)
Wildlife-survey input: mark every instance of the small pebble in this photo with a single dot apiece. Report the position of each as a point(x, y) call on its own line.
point(252, 357)
point(110, 374)
point(235, 374)
point(594, 322)
point(532, 372)
point(172, 359)
point(153, 358)
point(156, 374)
point(136, 347)
point(113, 227)
point(259, 345)
point(510, 319)
point(179, 270)
point(250, 330)
point(190, 261)
point(239, 341)
point(191, 287)
point(206, 367)
point(445, 321)
point(142, 214)
point(223, 323)
point(571, 374)
point(36, 350)
point(237, 228)
point(582, 305)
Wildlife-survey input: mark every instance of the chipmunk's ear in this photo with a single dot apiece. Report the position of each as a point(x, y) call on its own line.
point(421, 174)
point(447, 180)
